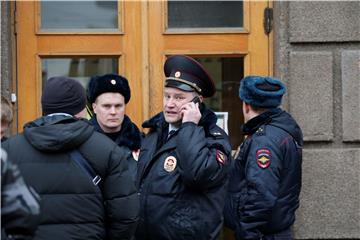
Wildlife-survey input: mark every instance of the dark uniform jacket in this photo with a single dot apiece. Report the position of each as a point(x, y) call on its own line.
point(19, 203)
point(265, 182)
point(182, 180)
point(72, 206)
point(129, 137)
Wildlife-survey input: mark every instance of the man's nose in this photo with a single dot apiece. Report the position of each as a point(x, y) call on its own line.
point(113, 110)
point(170, 102)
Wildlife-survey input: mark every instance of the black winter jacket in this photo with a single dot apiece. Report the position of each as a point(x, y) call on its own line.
point(265, 182)
point(182, 180)
point(129, 137)
point(72, 207)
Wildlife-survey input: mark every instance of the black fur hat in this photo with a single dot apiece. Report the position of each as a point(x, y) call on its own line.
point(108, 83)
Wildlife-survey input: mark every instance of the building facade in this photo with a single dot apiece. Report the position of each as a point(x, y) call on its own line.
point(314, 47)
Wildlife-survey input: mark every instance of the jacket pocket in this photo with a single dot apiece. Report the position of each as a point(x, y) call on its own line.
point(184, 221)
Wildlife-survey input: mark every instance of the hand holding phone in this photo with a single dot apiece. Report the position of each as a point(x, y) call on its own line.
point(191, 114)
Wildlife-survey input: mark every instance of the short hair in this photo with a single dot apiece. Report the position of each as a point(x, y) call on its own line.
point(259, 109)
point(6, 110)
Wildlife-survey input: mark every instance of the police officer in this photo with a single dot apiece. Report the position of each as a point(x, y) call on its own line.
point(265, 182)
point(184, 160)
point(107, 98)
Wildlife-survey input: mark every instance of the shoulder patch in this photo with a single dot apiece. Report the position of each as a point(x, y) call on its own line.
point(221, 157)
point(263, 157)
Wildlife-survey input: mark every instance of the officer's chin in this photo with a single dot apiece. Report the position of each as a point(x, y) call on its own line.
point(173, 120)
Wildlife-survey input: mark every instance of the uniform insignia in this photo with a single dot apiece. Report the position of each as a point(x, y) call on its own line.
point(263, 157)
point(113, 81)
point(136, 154)
point(170, 164)
point(177, 74)
point(217, 133)
point(260, 131)
point(220, 157)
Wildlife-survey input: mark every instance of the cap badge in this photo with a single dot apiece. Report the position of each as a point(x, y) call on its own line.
point(263, 157)
point(170, 164)
point(177, 74)
point(113, 81)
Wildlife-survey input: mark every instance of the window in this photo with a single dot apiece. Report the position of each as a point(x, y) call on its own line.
point(81, 69)
point(75, 16)
point(205, 14)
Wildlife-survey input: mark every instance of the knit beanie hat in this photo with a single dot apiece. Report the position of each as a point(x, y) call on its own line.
point(63, 95)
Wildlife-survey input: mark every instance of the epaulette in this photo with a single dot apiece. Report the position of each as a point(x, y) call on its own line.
point(216, 133)
point(260, 131)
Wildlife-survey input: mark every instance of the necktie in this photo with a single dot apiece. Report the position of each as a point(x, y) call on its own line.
point(172, 132)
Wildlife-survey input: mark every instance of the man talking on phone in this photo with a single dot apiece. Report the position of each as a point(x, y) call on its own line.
point(184, 160)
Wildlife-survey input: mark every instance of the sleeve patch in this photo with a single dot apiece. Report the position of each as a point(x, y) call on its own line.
point(220, 157)
point(263, 157)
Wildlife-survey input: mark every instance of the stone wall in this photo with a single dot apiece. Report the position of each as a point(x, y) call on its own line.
point(317, 54)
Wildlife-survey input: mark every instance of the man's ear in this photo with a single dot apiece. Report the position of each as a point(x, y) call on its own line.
point(247, 107)
point(201, 98)
point(94, 107)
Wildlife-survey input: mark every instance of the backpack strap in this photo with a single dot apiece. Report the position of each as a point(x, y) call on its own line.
point(83, 163)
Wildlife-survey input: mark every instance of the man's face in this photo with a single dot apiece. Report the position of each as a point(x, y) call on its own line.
point(174, 99)
point(110, 110)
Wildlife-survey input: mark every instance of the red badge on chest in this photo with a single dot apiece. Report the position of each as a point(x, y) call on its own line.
point(263, 157)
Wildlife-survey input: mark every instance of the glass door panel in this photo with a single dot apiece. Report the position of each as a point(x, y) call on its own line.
point(205, 14)
point(227, 73)
point(81, 69)
point(76, 16)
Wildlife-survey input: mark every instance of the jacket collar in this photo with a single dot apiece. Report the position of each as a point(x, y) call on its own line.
point(253, 124)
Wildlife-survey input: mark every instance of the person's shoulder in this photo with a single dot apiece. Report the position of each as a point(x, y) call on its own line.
point(219, 137)
point(100, 141)
point(14, 140)
point(268, 135)
point(217, 132)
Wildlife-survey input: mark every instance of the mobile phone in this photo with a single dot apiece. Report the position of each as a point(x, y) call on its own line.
point(195, 100)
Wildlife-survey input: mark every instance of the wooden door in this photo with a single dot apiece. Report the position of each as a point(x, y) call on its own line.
point(39, 44)
point(241, 50)
point(137, 47)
